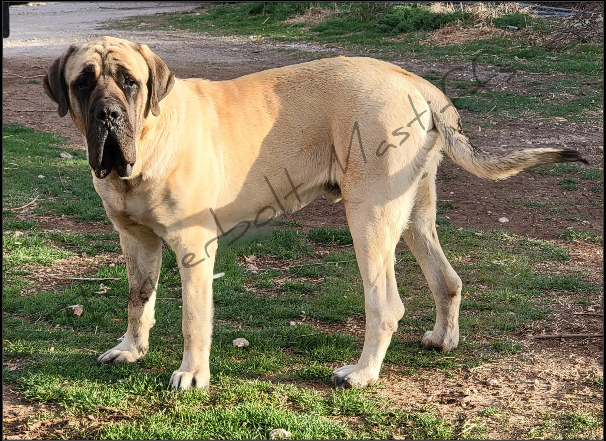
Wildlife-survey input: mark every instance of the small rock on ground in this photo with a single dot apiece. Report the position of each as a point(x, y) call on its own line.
point(240, 342)
point(279, 434)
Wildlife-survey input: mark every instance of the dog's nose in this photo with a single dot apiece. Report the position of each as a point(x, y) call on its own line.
point(108, 111)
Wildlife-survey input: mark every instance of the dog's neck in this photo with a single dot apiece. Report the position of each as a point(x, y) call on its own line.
point(156, 147)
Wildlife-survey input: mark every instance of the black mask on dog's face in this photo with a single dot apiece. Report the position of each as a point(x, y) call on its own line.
point(108, 101)
point(109, 104)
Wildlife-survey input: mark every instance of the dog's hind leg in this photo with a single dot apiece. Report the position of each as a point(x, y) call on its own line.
point(422, 239)
point(375, 230)
point(142, 250)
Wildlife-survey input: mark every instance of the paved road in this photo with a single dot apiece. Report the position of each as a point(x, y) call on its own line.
point(46, 29)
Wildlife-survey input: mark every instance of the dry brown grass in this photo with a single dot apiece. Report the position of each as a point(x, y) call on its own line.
point(458, 34)
point(313, 15)
point(481, 11)
point(584, 26)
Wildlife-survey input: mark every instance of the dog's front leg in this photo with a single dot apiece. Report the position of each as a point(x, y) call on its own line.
point(195, 251)
point(142, 250)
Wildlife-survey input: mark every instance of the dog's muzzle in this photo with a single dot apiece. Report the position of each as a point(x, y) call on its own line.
point(110, 141)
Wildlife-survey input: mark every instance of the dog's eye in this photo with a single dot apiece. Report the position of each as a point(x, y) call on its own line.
point(129, 81)
point(82, 84)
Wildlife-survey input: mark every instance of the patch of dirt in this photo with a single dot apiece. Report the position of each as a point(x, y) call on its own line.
point(22, 419)
point(25, 102)
point(13, 365)
point(570, 313)
point(586, 258)
point(320, 213)
point(522, 389)
point(480, 205)
point(17, 414)
point(63, 272)
point(66, 224)
point(354, 326)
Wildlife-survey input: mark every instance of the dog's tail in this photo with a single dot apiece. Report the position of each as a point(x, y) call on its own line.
point(482, 164)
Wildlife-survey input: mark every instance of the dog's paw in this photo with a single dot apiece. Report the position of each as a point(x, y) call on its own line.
point(121, 354)
point(352, 376)
point(449, 341)
point(185, 380)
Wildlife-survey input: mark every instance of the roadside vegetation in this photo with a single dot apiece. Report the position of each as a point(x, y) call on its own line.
point(503, 43)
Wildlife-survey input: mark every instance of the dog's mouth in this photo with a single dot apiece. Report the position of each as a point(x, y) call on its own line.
point(113, 154)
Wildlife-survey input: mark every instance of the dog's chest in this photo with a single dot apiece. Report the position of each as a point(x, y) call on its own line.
point(136, 202)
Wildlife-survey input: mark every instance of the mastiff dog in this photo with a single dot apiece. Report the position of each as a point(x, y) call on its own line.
point(190, 160)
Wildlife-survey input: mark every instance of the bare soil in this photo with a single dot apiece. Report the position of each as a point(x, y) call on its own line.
point(17, 412)
point(25, 420)
point(522, 389)
point(549, 376)
point(65, 224)
point(64, 271)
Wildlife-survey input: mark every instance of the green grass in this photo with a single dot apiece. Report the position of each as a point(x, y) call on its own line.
point(31, 249)
point(535, 205)
point(517, 19)
point(568, 184)
point(330, 236)
point(296, 287)
point(24, 255)
point(490, 411)
point(443, 207)
point(65, 189)
point(578, 218)
point(578, 424)
point(572, 175)
point(575, 236)
point(33, 167)
point(280, 379)
point(535, 103)
point(282, 244)
point(280, 356)
point(584, 173)
point(292, 223)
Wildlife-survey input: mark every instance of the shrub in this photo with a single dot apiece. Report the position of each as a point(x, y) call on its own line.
point(402, 19)
point(277, 10)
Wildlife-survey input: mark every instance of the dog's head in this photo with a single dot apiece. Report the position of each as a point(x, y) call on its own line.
point(109, 86)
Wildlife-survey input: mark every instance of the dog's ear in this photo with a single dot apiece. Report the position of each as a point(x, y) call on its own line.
point(54, 82)
point(160, 82)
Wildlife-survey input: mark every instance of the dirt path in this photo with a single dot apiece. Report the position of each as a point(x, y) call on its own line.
point(41, 33)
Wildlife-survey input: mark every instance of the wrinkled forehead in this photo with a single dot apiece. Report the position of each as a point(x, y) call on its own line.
point(107, 57)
